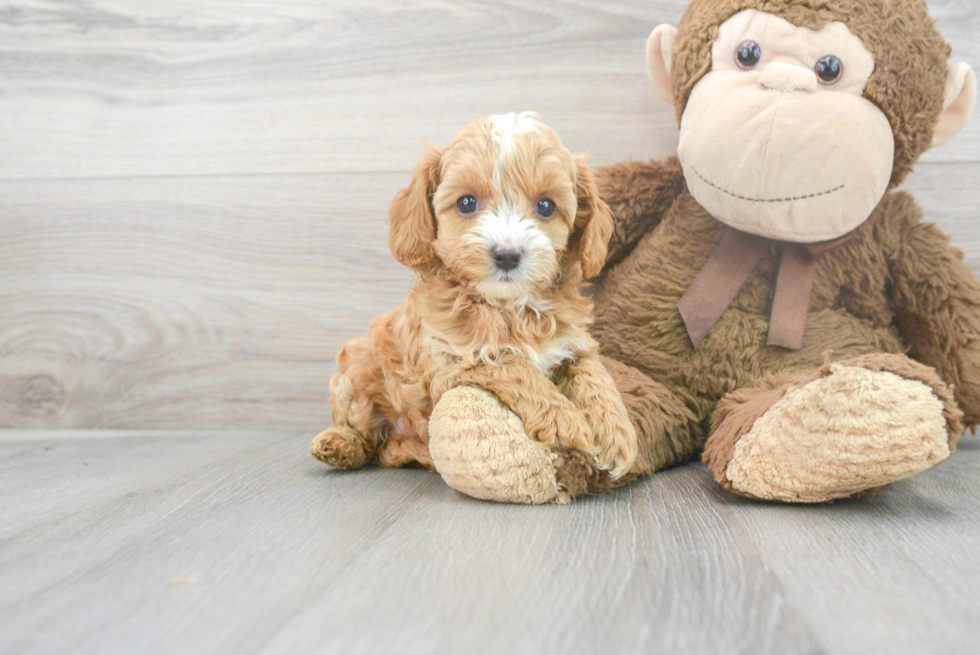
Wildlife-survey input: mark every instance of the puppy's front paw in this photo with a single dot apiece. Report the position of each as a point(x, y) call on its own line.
point(563, 427)
point(575, 433)
point(340, 446)
point(617, 446)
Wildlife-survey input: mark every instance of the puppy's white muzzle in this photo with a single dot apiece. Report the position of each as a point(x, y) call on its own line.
point(513, 242)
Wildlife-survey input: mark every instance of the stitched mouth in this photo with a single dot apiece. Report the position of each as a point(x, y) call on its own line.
point(771, 200)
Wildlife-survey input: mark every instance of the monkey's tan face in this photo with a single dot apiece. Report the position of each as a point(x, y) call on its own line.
point(777, 140)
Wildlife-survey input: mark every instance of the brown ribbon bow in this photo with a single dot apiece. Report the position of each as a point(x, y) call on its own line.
point(729, 267)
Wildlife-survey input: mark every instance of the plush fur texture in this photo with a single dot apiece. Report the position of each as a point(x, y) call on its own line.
point(518, 331)
point(744, 128)
point(874, 420)
point(893, 324)
point(486, 460)
point(866, 428)
point(895, 287)
point(910, 54)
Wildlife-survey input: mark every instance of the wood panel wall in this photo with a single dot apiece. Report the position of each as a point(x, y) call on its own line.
point(193, 193)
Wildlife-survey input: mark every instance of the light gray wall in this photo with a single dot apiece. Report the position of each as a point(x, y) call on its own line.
point(193, 194)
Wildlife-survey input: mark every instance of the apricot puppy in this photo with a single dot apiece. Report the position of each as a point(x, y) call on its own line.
point(501, 227)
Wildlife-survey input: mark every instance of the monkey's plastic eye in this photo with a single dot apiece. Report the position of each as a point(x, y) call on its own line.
point(546, 208)
point(749, 55)
point(466, 205)
point(829, 69)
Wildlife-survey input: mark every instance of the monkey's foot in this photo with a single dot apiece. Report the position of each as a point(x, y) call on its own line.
point(481, 449)
point(851, 429)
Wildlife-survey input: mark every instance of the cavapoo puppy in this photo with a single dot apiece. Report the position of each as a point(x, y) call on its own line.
point(500, 228)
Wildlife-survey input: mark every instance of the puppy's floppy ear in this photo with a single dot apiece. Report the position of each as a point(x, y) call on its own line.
point(412, 220)
point(594, 220)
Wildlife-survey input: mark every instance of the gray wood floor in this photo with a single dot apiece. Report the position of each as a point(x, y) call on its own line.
point(192, 216)
point(184, 542)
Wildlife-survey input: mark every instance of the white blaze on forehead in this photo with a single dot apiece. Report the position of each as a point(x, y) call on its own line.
point(506, 125)
point(503, 127)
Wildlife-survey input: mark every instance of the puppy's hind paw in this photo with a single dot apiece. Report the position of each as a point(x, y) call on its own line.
point(340, 446)
point(618, 455)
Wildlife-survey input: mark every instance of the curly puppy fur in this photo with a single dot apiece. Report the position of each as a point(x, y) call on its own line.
point(472, 319)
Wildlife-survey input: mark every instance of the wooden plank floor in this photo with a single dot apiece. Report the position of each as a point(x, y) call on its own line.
point(185, 542)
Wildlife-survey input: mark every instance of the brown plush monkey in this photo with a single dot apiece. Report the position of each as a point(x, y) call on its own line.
point(770, 299)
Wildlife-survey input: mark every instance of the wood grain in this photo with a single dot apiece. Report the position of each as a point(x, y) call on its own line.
point(220, 302)
point(209, 87)
point(190, 542)
point(192, 194)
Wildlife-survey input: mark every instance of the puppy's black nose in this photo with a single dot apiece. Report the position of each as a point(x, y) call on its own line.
point(506, 260)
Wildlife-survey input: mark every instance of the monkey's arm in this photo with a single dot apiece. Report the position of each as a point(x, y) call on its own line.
point(937, 301)
point(638, 195)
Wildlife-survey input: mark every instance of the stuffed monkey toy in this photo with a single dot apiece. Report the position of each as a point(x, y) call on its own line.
point(770, 300)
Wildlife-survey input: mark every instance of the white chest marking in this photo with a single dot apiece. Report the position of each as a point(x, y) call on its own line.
point(555, 353)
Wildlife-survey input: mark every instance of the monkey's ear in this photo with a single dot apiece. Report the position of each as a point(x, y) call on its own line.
point(594, 220)
point(413, 222)
point(958, 102)
point(660, 55)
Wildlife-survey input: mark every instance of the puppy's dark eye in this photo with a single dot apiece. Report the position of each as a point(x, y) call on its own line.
point(749, 55)
point(829, 69)
point(466, 205)
point(546, 208)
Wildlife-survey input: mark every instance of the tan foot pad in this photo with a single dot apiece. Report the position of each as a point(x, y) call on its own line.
point(853, 430)
point(481, 449)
